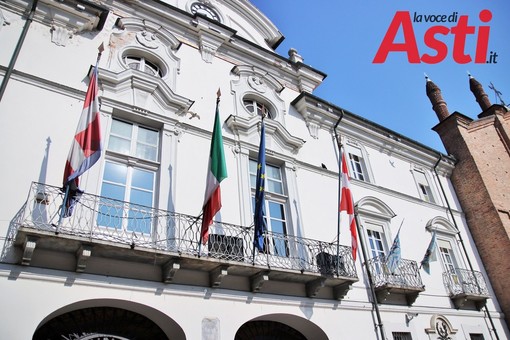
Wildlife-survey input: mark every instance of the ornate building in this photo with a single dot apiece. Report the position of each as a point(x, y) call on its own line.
point(127, 262)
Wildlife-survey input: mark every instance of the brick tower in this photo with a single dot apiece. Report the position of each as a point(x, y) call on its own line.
point(481, 179)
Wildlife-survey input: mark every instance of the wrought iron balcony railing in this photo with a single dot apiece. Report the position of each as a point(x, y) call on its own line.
point(406, 275)
point(103, 219)
point(466, 285)
point(464, 281)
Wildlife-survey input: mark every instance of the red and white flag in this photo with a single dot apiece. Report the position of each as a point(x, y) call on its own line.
point(86, 146)
point(347, 205)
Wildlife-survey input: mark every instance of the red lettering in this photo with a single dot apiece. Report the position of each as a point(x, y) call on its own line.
point(482, 42)
point(437, 45)
point(459, 42)
point(409, 45)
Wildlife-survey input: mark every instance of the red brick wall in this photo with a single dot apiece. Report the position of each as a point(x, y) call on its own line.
point(482, 182)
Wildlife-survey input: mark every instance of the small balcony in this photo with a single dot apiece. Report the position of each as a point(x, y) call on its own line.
point(465, 286)
point(115, 238)
point(405, 282)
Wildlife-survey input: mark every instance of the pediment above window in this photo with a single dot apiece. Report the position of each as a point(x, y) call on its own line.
point(372, 206)
point(441, 225)
point(138, 89)
point(278, 139)
point(149, 34)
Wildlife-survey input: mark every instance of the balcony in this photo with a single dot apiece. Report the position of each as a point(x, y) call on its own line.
point(115, 238)
point(466, 286)
point(405, 282)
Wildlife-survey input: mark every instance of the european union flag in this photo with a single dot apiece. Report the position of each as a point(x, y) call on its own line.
point(259, 215)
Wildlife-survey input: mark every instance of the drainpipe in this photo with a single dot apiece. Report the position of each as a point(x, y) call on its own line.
point(460, 238)
point(15, 54)
point(339, 144)
point(370, 280)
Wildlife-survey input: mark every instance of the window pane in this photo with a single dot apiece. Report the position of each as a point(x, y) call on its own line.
point(113, 191)
point(146, 152)
point(276, 212)
point(119, 145)
point(273, 172)
point(110, 214)
point(123, 129)
point(120, 137)
point(148, 136)
point(139, 220)
point(115, 173)
point(249, 105)
point(143, 179)
point(141, 197)
point(273, 186)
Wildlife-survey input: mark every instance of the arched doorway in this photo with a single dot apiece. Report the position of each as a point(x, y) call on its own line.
point(108, 319)
point(280, 327)
point(267, 330)
point(100, 323)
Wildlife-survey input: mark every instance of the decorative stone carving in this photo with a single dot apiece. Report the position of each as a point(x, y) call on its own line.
point(257, 84)
point(60, 36)
point(147, 39)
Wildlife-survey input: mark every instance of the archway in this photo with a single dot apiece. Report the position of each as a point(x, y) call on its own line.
point(280, 327)
point(108, 319)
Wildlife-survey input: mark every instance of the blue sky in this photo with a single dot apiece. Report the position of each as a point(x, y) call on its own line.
point(341, 39)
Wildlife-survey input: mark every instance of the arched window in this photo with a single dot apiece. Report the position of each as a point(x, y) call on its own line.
point(143, 64)
point(257, 107)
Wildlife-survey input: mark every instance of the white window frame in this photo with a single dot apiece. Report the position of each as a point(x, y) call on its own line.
point(274, 197)
point(132, 161)
point(423, 185)
point(356, 153)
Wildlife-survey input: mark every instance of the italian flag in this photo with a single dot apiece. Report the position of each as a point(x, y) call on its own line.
point(217, 172)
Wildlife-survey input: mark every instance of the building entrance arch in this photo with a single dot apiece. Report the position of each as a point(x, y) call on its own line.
point(110, 320)
point(280, 327)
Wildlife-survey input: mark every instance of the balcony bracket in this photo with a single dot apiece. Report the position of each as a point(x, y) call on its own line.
point(82, 255)
point(28, 250)
point(480, 304)
point(382, 295)
point(340, 291)
point(459, 302)
point(313, 287)
point(258, 280)
point(411, 298)
point(217, 275)
point(169, 270)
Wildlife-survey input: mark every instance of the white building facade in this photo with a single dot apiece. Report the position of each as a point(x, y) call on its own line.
point(128, 262)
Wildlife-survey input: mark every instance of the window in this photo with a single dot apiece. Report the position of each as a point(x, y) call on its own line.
point(357, 164)
point(144, 65)
point(402, 336)
point(376, 244)
point(423, 186)
point(445, 248)
point(476, 336)
point(135, 140)
point(274, 209)
point(256, 107)
point(129, 179)
point(126, 184)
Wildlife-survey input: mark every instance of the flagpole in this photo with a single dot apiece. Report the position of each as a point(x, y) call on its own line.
point(370, 279)
point(67, 185)
point(339, 144)
point(259, 216)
